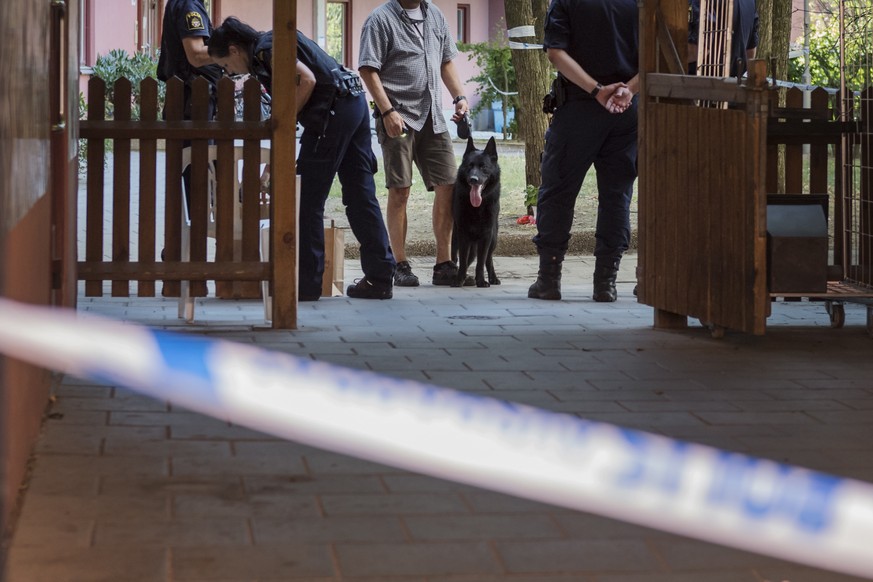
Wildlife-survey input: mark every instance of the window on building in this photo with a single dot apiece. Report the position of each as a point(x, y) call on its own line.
point(464, 23)
point(86, 58)
point(337, 31)
point(147, 26)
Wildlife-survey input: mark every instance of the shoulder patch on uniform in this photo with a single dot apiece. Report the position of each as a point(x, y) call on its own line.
point(194, 21)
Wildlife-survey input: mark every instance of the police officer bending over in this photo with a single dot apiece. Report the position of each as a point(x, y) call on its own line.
point(594, 46)
point(333, 111)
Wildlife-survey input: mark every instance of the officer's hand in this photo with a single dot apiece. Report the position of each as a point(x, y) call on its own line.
point(394, 125)
point(620, 100)
point(607, 97)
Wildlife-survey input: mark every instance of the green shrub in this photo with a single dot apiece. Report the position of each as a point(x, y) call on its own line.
point(117, 64)
point(496, 79)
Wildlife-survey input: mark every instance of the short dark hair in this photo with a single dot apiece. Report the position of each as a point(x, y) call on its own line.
point(231, 31)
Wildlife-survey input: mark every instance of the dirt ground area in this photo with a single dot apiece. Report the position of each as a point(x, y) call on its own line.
point(514, 239)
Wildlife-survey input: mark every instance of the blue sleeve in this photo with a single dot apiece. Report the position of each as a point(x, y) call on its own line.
point(192, 20)
point(754, 37)
point(693, 21)
point(556, 33)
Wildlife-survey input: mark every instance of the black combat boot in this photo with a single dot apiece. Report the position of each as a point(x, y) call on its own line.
point(548, 283)
point(604, 283)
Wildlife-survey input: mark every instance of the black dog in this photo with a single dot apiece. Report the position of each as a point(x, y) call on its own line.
point(475, 208)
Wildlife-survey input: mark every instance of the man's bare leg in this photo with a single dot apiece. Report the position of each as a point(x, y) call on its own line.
point(397, 228)
point(443, 221)
point(397, 224)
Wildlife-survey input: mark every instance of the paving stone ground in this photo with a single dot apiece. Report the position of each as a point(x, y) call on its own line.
point(127, 488)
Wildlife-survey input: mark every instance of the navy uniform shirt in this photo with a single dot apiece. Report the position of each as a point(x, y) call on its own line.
point(183, 18)
point(314, 113)
point(601, 35)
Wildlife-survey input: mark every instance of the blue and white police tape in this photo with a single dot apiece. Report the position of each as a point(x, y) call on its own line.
point(694, 490)
point(521, 32)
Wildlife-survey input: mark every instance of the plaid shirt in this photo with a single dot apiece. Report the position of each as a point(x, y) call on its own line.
point(410, 72)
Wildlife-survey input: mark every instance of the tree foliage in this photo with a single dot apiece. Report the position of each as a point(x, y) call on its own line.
point(496, 80)
point(116, 64)
point(824, 45)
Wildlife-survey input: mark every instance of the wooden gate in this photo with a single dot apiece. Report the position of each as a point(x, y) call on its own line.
point(702, 202)
point(708, 162)
point(702, 207)
point(222, 205)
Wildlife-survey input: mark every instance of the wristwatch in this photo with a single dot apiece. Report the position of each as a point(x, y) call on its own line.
point(596, 90)
point(458, 99)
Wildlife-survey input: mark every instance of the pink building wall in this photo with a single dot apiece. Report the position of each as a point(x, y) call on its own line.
point(483, 18)
point(115, 26)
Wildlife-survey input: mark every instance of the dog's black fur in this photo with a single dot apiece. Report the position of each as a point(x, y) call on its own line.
point(475, 208)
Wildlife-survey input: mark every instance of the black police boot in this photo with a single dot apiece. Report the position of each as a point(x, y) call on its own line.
point(604, 284)
point(548, 283)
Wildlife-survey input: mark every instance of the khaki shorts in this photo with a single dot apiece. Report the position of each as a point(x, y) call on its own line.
point(433, 155)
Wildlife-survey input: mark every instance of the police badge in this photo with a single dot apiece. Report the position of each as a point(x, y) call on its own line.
point(194, 21)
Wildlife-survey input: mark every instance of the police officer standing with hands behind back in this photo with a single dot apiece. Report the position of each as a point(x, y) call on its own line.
point(594, 46)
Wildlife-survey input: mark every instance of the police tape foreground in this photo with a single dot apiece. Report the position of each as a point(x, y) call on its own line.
point(710, 494)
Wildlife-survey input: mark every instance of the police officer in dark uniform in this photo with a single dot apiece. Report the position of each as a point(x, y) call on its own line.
point(184, 33)
point(186, 29)
point(594, 46)
point(333, 111)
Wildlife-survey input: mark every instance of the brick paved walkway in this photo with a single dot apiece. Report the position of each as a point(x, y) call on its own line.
point(126, 488)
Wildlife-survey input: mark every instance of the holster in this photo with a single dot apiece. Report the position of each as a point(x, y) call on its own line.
point(346, 82)
point(557, 96)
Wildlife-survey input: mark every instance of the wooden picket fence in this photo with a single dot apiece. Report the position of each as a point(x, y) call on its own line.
point(212, 146)
point(795, 126)
point(837, 136)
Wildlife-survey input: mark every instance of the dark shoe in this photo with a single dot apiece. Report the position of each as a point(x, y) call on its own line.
point(366, 289)
point(403, 275)
point(445, 273)
point(548, 283)
point(604, 284)
point(308, 298)
point(636, 288)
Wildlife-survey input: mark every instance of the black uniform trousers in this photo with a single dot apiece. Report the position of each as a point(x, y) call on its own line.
point(345, 150)
point(583, 133)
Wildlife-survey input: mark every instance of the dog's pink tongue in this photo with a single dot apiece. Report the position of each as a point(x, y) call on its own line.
point(476, 195)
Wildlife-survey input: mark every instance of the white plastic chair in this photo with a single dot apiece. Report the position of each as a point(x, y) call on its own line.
point(186, 301)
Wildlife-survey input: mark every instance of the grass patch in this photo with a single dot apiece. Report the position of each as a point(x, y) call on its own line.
point(512, 177)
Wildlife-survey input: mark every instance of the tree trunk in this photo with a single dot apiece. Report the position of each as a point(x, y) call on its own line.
point(533, 75)
point(774, 19)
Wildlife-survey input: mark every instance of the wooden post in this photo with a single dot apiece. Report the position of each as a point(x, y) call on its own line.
point(283, 229)
point(147, 184)
point(757, 111)
point(172, 252)
point(225, 179)
point(94, 216)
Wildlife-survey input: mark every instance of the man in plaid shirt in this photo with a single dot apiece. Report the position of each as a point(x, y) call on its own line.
point(406, 50)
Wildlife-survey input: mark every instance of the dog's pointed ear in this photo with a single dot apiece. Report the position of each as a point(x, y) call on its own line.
point(491, 148)
point(471, 147)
